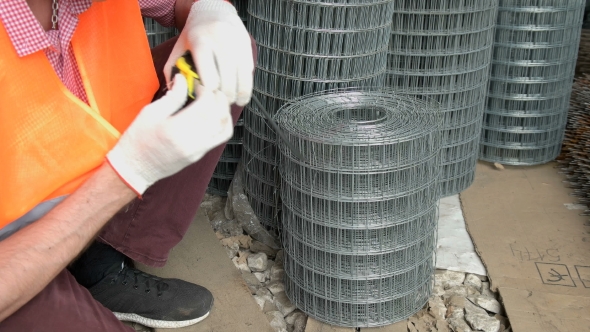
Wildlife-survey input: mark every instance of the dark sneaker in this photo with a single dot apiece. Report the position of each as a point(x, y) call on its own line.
point(136, 296)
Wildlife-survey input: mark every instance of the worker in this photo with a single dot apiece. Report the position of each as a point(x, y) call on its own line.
point(93, 174)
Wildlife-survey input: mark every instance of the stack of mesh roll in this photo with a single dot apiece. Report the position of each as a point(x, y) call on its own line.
point(305, 46)
point(360, 209)
point(534, 61)
point(442, 49)
point(228, 163)
point(156, 33)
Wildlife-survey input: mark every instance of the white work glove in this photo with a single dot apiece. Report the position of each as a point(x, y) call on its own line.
point(159, 143)
point(221, 49)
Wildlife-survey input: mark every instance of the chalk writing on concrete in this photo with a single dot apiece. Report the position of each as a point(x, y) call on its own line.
point(526, 254)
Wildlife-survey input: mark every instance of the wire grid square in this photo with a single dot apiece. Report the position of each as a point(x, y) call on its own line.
point(311, 42)
point(330, 67)
point(523, 141)
point(225, 170)
point(443, 49)
point(325, 15)
point(359, 291)
point(358, 266)
point(362, 314)
point(348, 186)
point(260, 148)
point(231, 153)
point(359, 240)
point(357, 214)
point(536, 45)
point(287, 87)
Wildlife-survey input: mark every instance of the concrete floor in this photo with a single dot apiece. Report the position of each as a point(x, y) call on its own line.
point(201, 259)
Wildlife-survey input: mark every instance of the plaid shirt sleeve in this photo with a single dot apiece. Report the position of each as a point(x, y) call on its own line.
point(160, 10)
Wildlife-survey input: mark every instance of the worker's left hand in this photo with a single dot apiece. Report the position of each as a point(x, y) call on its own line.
point(221, 49)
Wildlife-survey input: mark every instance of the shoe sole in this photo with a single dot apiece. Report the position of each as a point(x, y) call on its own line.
point(164, 324)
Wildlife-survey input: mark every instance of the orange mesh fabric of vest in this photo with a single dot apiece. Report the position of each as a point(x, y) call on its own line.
point(50, 141)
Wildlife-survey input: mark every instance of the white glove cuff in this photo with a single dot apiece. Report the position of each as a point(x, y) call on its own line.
point(216, 6)
point(122, 164)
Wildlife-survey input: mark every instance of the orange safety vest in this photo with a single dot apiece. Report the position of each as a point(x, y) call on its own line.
point(51, 141)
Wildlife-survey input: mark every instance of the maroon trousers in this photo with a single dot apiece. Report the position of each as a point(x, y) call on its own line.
point(146, 230)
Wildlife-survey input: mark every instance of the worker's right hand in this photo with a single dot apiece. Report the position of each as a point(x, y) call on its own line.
point(221, 48)
point(159, 143)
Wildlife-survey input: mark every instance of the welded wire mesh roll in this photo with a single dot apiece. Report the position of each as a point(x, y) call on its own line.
point(228, 162)
point(442, 49)
point(533, 66)
point(306, 46)
point(360, 210)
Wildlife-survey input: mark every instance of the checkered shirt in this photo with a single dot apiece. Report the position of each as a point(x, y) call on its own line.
point(28, 36)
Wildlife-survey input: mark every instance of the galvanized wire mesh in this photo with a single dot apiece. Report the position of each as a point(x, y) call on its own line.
point(156, 33)
point(218, 187)
point(359, 212)
point(442, 49)
point(533, 66)
point(306, 46)
point(228, 162)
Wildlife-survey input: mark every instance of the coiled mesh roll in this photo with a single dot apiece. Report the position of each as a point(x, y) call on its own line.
point(228, 162)
point(534, 61)
point(305, 46)
point(360, 210)
point(442, 49)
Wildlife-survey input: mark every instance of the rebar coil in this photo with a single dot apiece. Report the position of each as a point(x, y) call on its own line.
point(359, 212)
point(534, 59)
point(305, 46)
point(575, 160)
point(442, 50)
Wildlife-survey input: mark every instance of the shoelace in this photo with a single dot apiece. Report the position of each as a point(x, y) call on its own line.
point(138, 277)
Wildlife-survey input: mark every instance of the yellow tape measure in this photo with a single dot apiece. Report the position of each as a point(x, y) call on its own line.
point(186, 67)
